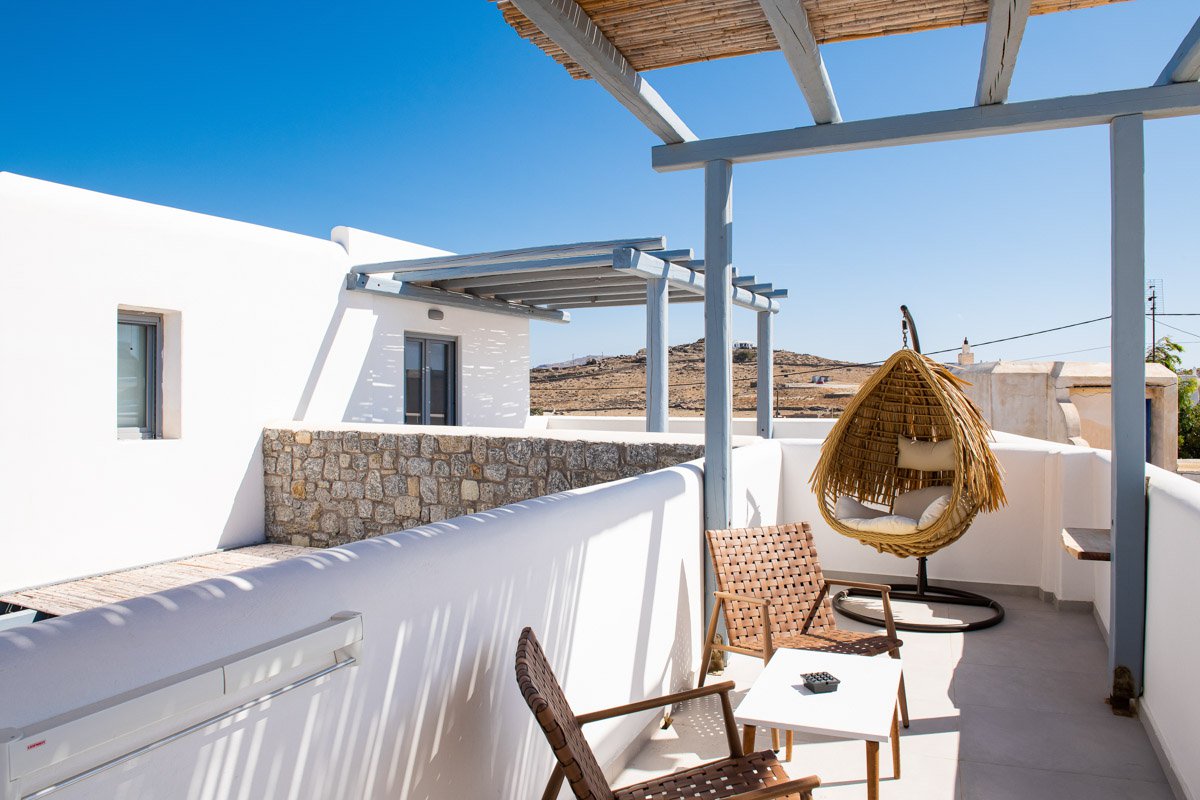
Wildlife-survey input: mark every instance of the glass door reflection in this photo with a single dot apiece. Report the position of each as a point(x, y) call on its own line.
point(429, 381)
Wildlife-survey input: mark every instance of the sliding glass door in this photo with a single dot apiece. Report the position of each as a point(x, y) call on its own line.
point(430, 378)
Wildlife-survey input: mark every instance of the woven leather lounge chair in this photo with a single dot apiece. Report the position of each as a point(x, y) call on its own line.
point(773, 595)
point(757, 776)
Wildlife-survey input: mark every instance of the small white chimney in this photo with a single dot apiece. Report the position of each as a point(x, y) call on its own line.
point(966, 356)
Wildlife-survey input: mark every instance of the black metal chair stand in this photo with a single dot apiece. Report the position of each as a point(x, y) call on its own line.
point(922, 592)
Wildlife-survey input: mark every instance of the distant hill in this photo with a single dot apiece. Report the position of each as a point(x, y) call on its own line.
point(616, 385)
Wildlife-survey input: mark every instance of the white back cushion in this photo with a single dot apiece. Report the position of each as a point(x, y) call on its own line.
point(926, 456)
point(934, 512)
point(849, 508)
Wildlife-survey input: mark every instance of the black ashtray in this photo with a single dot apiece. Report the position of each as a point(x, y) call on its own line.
point(820, 682)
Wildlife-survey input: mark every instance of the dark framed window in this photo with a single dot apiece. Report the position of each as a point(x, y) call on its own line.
point(430, 381)
point(139, 375)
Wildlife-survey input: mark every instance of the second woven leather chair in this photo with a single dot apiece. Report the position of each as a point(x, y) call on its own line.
point(774, 596)
point(741, 776)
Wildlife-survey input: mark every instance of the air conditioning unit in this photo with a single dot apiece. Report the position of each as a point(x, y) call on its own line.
point(31, 754)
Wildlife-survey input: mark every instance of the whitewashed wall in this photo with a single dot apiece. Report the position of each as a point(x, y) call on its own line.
point(609, 576)
point(1171, 705)
point(258, 329)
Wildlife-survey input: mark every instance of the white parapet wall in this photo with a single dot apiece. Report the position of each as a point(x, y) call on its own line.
point(610, 578)
point(785, 428)
point(1171, 705)
point(257, 327)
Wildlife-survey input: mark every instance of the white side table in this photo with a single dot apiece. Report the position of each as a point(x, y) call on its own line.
point(863, 707)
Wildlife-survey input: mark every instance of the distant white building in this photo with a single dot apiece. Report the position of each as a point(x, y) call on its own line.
point(1069, 402)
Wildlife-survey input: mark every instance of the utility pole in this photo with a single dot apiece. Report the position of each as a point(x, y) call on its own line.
point(1154, 284)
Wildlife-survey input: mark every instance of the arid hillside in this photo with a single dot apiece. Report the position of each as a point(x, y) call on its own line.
point(616, 385)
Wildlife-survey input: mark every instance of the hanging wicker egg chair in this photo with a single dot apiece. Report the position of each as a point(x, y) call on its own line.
point(910, 402)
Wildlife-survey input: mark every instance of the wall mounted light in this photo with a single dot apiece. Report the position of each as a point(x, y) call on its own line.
point(436, 313)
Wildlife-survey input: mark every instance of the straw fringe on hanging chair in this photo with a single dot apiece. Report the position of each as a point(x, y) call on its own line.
point(914, 397)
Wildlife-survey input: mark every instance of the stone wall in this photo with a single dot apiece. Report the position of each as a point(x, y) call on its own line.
point(325, 488)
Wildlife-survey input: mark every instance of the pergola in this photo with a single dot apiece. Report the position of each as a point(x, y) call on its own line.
point(544, 282)
point(614, 41)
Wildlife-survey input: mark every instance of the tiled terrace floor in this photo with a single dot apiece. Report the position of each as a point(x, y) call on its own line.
point(1016, 711)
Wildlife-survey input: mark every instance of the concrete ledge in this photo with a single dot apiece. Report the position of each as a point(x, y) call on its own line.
point(562, 434)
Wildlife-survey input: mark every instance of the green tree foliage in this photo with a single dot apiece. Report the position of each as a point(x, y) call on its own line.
point(745, 356)
point(1170, 354)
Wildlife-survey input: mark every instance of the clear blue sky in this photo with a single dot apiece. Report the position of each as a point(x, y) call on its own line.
point(435, 122)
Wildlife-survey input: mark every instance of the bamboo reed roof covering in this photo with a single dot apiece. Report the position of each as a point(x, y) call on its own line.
point(653, 34)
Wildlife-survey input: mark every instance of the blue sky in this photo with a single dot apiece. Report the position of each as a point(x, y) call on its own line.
point(435, 122)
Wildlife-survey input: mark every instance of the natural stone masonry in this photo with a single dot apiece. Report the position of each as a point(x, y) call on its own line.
point(325, 488)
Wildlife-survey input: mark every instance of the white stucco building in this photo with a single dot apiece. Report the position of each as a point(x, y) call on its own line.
point(246, 324)
point(1070, 402)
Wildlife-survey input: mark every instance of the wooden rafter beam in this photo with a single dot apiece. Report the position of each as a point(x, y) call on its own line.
point(540, 296)
point(389, 287)
point(601, 250)
point(573, 30)
point(1001, 41)
point(789, 23)
point(1184, 66)
point(631, 301)
point(635, 262)
point(1059, 113)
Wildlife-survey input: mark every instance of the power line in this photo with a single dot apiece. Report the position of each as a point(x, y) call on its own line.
point(1026, 335)
point(1181, 330)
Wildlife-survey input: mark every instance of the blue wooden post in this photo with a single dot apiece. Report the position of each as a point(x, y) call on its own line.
point(718, 354)
point(656, 355)
point(766, 367)
point(1127, 633)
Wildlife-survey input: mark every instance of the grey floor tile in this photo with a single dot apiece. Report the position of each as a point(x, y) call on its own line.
point(1040, 652)
point(1045, 622)
point(921, 778)
point(1014, 711)
point(1033, 689)
point(991, 782)
point(1108, 746)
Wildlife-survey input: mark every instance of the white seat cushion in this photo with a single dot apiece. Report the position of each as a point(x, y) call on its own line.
point(890, 523)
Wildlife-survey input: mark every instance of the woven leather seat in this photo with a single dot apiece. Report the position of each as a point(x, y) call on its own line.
point(854, 643)
point(731, 777)
point(726, 778)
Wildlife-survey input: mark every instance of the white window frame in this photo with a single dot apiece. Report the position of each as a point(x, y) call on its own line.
point(454, 399)
point(154, 381)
